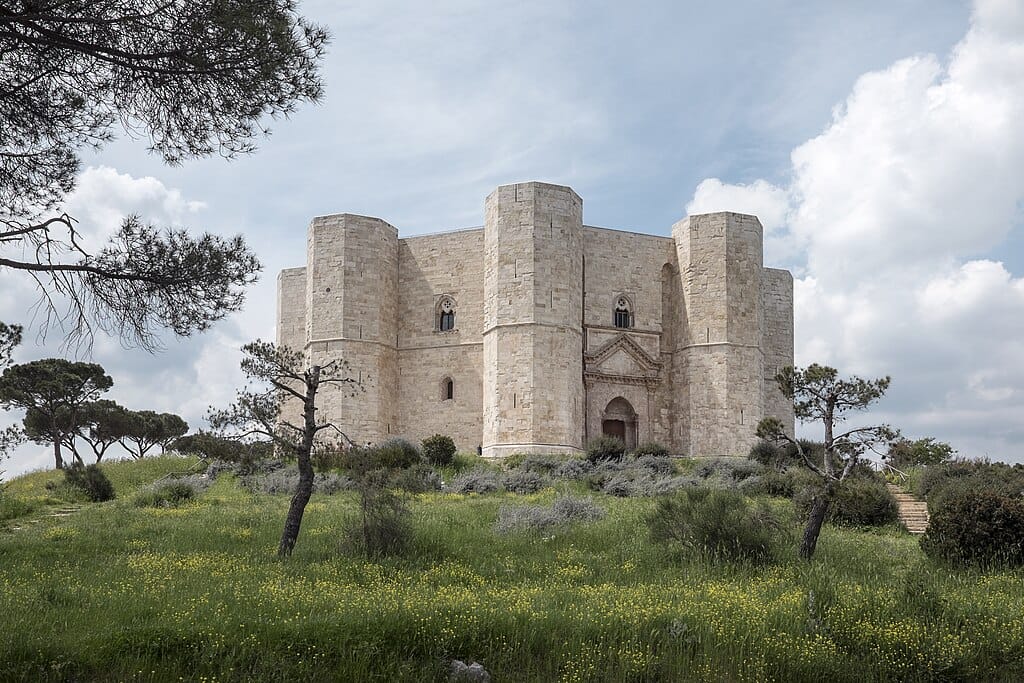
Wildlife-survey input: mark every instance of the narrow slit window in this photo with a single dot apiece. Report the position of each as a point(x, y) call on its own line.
point(449, 389)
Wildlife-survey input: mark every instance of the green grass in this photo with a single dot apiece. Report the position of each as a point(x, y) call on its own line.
point(35, 493)
point(117, 592)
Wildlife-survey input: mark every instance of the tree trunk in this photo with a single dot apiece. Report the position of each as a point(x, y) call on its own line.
point(293, 521)
point(56, 454)
point(304, 489)
point(819, 507)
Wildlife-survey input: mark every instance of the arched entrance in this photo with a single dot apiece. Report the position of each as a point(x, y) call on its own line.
point(619, 420)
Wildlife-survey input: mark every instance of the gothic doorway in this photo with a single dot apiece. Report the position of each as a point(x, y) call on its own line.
point(619, 420)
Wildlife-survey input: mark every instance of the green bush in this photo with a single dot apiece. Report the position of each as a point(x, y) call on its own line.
point(439, 450)
point(383, 527)
point(166, 494)
point(212, 447)
point(419, 478)
point(650, 448)
point(719, 523)
point(782, 456)
point(328, 458)
point(858, 501)
point(90, 481)
point(605, 448)
point(396, 454)
point(391, 455)
point(977, 528)
point(952, 479)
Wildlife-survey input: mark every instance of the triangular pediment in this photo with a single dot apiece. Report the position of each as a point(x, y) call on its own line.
point(622, 356)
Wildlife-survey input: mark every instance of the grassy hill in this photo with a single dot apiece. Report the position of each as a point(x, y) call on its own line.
point(120, 592)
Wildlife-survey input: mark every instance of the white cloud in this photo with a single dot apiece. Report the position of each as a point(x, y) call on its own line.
point(920, 172)
point(189, 376)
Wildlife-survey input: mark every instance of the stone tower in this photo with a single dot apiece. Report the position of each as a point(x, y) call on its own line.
point(718, 366)
point(352, 295)
point(532, 329)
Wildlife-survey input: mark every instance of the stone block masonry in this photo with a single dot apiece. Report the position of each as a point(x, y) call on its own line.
point(537, 333)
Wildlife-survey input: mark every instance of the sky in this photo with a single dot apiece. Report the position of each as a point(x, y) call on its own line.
point(879, 141)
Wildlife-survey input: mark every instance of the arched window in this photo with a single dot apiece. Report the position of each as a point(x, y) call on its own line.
point(446, 314)
point(447, 389)
point(623, 313)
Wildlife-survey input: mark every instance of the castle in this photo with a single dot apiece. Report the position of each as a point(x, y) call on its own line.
point(536, 333)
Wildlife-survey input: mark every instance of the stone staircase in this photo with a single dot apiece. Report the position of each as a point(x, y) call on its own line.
point(913, 513)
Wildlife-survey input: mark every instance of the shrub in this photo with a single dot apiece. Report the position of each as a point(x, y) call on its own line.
point(977, 527)
point(652, 448)
point(479, 480)
point(396, 454)
point(657, 464)
point(717, 523)
point(726, 469)
point(605, 448)
point(525, 481)
point(574, 468)
point(166, 494)
point(90, 481)
point(285, 480)
point(383, 527)
point(213, 447)
point(389, 455)
point(439, 450)
point(329, 483)
point(858, 501)
point(326, 458)
point(964, 476)
point(565, 510)
point(417, 479)
point(532, 462)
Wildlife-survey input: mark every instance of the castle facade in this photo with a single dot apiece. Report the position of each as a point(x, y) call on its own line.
point(537, 333)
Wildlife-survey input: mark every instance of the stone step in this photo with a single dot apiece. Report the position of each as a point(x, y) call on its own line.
point(913, 513)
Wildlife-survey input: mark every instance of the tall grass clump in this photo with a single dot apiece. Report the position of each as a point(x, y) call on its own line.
point(718, 523)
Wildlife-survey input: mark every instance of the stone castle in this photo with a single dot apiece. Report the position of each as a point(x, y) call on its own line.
point(536, 333)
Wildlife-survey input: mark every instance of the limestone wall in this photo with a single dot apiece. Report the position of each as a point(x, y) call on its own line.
point(431, 267)
point(534, 356)
point(777, 297)
point(291, 308)
point(532, 338)
point(352, 297)
point(719, 358)
point(291, 324)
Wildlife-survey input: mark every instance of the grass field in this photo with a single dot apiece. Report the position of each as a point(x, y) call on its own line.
point(118, 592)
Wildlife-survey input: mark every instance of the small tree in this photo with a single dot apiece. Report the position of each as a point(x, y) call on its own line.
point(283, 374)
point(927, 451)
point(56, 388)
point(146, 429)
point(38, 427)
point(101, 424)
point(818, 393)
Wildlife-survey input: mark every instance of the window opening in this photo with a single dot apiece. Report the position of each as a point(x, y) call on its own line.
point(446, 317)
point(623, 318)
